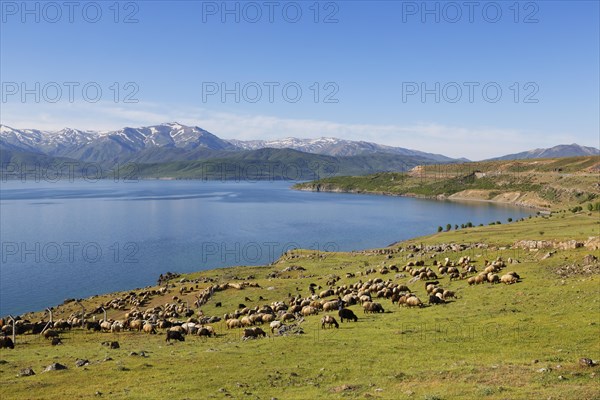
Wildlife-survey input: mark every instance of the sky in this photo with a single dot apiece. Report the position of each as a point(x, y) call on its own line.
point(465, 79)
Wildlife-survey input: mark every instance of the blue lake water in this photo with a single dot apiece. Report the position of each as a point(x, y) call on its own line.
point(76, 239)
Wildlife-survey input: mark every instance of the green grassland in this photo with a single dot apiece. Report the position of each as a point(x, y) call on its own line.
point(540, 183)
point(490, 342)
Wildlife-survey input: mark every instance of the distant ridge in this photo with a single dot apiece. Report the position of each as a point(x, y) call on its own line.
point(562, 150)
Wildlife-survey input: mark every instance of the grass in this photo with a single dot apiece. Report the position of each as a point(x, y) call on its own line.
point(481, 345)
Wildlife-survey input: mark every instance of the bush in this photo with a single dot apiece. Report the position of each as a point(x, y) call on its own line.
point(440, 229)
point(509, 219)
point(448, 227)
point(498, 223)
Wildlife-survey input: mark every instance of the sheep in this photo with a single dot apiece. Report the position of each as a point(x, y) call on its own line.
point(288, 317)
point(177, 328)
point(253, 333)
point(308, 310)
point(6, 343)
point(233, 323)
point(275, 325)
point(204, 331)
point(149, 328)
point(347, 314)
point(434, 299)
point(50, 334)
point(370, 307)
point(329, 320)
point(448, 294)
point(116, 327)
point(136, 325)
point(331, 305)
point(174, 335)
point(105, 326)
point(508, 279)
point(493, 278)
point(246, 321)
point(414, 301)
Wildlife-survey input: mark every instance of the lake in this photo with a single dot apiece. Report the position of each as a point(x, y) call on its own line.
point(76, 239)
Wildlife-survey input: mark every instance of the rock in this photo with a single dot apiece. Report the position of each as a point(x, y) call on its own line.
point(26, 372)
point(535, 361)
point(56, 341)
point(114, 345)
point(107, 359)
point(3, 362)
point(562, 378)
point(133, 353)
point(543, 370)
point(81, 363)
point(590, 259)
point(586, 362)
point(54, 367)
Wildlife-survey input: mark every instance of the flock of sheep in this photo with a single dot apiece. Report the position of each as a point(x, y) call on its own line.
point(177, 320)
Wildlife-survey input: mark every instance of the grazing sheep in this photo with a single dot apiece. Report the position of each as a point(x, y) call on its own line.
point(448, 294)
point(413, 301)
point(253, 333)
point(471, 281)
point(92, 325)
point(50, 334)
point(174, 335)
point(347, 314)
point(246, 321)
point(6, 343)
point(433, 299)
point(308, 310)
point(331, 305)
point(56, 341)
point(508, 279)
point(493, 278)
point(370, 307)
point(177, 328)
point(233, 323)
point(329, 320)
point(204, 331)
point(275, 325)
point(136, 325)
point(149, 328)
point(105, 326)
point(288, 317)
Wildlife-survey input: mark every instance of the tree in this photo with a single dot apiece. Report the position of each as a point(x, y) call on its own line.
point(509, 219)
point(448, 227)
point(590, 207)
point(440, 229)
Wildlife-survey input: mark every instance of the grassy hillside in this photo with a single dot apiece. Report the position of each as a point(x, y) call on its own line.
point(542, 183)
point(277, 164)
point(520, 341)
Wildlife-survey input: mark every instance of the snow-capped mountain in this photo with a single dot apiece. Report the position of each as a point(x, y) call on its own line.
point(562, 150)
point(113, 145)
point(174, 141)
point(334, 147)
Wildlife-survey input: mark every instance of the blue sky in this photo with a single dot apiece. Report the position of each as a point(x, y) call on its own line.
point(374, 58)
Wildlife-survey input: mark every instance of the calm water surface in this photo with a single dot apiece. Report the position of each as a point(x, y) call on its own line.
point(76, 239)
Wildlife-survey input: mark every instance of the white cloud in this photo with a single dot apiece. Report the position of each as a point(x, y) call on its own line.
point(471, 142)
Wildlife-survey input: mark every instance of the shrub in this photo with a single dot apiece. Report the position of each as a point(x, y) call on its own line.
point(509, 219)
point(448, 227)
point(440, 229)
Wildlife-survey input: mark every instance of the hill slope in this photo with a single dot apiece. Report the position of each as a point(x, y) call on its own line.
point(563, 150)
point(545, 183)
point(491, 341)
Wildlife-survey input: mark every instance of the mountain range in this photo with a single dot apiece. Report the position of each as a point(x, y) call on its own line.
point(176, 150)
point(562, 150)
